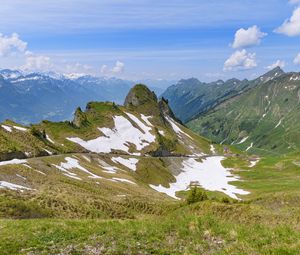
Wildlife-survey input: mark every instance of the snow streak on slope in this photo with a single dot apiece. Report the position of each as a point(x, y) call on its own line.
point(176, 128)
point(249, 147)
point(123, 180)
point(7, 128)
point(74, 164)
point(108, 168)
point(210, 174)
point(12, 186)
point(128, 162)
point(120, 137)
point(243, 140)
point(20, 128)
point(13, 162)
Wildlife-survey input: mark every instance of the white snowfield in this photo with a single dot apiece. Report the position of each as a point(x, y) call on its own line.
point(13, 162)
point(74, 164)
point(128, 162)
point(176, 128)
point(7, 128)
point(20, 128)
point(108, 168)
point(120, 137)
point(210, 174)
point(12, 186)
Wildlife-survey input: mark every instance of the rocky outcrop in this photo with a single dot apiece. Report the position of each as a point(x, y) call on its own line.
point(80, 118)
point(139, 95)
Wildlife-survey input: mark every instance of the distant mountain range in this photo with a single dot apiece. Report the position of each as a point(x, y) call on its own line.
point(191, 97)
point(30, 98)
point(259, 116)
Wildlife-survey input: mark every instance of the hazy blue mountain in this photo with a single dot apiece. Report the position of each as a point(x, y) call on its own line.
point(190, 97)
point(29, 98)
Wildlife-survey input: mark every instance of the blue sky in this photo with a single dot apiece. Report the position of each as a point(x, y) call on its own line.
point(150, 39)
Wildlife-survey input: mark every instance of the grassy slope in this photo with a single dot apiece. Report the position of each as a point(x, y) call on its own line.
point(205, 228)
point(266, 223)
point(56, 195)
point(244, 116)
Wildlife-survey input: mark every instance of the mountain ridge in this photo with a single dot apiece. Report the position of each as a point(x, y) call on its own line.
point(261, 120)
point(32, 97)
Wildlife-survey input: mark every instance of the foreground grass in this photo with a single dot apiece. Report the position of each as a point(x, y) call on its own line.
point(204, 228)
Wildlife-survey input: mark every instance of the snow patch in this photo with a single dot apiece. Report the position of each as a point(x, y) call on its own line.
point(146, 119)
point(123, 180)
point(253, 162)
point(249, 147)
point(13, 162)
point(40, 172)
point(7, 128)
point(86, 158)
point(71, 164)
point(34, 78)
point(20, 128)
point(278, 124)
point(128, 162)
point(108, 168)
point(49, 139)
point(120, 137)
point(22, 177)
point(210, 174)
point(243, 140)
point(176, 128)
point(12, 186)
point(49, 152)
point(212, 149)
point(161, 132)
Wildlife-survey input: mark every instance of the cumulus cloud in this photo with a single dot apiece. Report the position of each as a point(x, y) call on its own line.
point(291, 26)
point(11, 44)
point(277, 63)
point(297, 59)
point(247, 37)
point(35, 62)
point(77, 68)
point(116, 69)
point(240, 60)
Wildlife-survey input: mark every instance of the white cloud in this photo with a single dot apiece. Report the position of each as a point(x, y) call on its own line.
point(297, 59)
point(240, 60)
point(247, 37)
point(104, 69)
point(277, 63)
point(11, 44)
point(77, 68)
point(35, 62)
point(291, 26)
point(118, 68)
